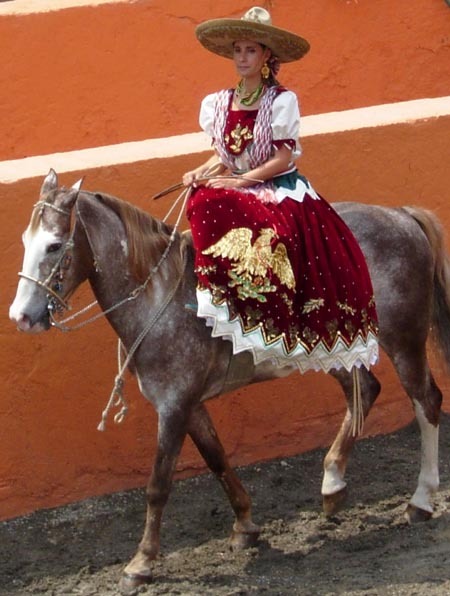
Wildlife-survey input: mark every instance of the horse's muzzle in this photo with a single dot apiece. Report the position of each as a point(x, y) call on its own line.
point(26, 324)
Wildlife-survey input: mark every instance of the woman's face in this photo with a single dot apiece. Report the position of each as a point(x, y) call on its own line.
point(249, 57)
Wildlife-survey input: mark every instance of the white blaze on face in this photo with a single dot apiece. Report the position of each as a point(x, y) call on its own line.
point(29, 304)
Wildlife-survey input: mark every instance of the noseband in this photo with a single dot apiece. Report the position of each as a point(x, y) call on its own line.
point(53, 283)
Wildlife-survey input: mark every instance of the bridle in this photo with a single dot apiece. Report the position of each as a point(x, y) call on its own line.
point(53, 282)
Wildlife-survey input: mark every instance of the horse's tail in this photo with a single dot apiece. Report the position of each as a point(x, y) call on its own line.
point(432, 228)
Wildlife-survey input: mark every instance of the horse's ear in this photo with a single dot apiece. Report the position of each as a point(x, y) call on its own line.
point(78, 184)
point(69, 198)
point(50, 182)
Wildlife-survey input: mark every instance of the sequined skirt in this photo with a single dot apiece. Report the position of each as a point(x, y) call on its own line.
point(286, 281)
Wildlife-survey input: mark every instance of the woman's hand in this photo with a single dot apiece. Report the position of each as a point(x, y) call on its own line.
point(211, 166)
point(226, 182)
point(278, 163)
point(189, 178)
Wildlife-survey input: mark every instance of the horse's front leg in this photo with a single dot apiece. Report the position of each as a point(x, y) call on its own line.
point(171, 435)
point(201, 429)
point(334, 487)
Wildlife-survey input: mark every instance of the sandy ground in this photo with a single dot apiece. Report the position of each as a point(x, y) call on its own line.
point(366, 549)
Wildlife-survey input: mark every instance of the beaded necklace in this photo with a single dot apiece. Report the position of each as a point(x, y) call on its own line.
point(250, 98)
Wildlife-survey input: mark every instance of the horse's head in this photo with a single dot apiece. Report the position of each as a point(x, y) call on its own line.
point(44, 280)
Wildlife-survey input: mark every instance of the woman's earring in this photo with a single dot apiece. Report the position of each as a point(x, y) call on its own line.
point(265, 71)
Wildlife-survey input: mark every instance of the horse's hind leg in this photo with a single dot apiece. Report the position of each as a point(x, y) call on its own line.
point(201, 429)
point(418, 382)
point(334, 489)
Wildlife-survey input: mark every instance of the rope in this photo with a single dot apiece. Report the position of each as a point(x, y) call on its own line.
point(137, 291)
point(43, 203)
point(119, 382)
point(116, 397)
point(204, 178)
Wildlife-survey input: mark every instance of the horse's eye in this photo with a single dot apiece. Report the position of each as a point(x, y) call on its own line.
point(54, 247)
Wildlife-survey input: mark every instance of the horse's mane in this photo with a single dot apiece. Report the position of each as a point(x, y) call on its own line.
point(35, 219)
point(147, 238)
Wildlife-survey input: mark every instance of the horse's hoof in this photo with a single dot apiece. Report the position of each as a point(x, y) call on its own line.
point(131, 582)
point(240, 540)
point(414, 514)
point(332, 504)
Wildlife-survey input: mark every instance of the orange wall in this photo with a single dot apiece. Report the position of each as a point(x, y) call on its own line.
point(87, 77)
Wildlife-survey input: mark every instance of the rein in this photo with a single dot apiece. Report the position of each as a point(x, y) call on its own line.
point(47, 288)
point(116, 398)
point(133, 294)
point(118, 384)
point(184, 196)
point(56, 303)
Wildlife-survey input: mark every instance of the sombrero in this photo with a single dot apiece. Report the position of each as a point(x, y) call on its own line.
point(218, 35)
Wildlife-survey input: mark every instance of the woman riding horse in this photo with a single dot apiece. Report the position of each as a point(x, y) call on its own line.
point(279, 273)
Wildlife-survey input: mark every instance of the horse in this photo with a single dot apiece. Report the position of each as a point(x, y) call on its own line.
point(141, 271)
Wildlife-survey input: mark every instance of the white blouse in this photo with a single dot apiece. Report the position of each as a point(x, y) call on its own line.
point(285, 126)
point(285, 118)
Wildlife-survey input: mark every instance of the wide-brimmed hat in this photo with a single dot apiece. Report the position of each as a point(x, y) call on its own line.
point(218, 35)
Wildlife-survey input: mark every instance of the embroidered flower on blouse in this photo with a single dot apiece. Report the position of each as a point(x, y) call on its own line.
point(239, 135)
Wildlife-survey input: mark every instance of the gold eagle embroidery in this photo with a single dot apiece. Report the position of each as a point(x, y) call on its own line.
point(256, 259)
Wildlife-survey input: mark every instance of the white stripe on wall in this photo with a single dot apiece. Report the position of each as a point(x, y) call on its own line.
point(381, 115)
point(123, 153)
point(18, 7)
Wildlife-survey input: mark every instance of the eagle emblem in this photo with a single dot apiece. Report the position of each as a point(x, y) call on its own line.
point(254, 259)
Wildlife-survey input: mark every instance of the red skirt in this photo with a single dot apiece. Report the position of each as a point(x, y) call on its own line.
point(286, 281)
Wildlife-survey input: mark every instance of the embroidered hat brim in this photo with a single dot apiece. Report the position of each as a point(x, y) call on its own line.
point(218, 36)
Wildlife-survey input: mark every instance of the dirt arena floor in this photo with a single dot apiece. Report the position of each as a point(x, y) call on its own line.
point(368, 549)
